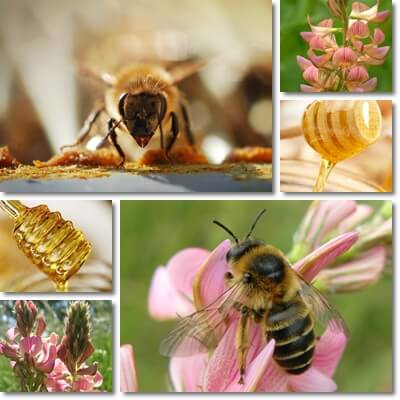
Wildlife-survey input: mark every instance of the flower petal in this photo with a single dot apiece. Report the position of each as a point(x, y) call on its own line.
point(182, 268)
point(12, 333)
point(303, 63)
point(361, 213)
point(164, 301)
point(362, 11)
point(309, 266)
point(256, 371)
point(381, 16)
point(41, 326)
point(309, 89)
point(209, 282)
point(326, 216)
point(355, 275)
point(274, 380)
point(370, 85)
point(186, 373)
point(31, 345)
point(328, 351)
point(312, 381)
point(45, 363)
point(222, 369)
point(128, 370)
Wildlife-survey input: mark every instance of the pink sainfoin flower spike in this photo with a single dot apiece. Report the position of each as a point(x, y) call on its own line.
point(128, 370)
point(71, 373)
point(363, 265)
point(31, 356)
point(333, 66)
point(218, 372)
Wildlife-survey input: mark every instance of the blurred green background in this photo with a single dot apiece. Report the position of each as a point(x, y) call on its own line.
point(153, 231)
point(54, 312)
point(293, 16)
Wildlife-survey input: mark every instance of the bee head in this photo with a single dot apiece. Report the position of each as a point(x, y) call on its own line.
point(238, 250)
point(142, 114)
point(241, 247)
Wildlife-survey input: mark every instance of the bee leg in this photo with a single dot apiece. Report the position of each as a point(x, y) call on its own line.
point(174, 131)
point(242, 340)
point(113, 136)
point(186, 120)
point(258, 315)
point(86, 128)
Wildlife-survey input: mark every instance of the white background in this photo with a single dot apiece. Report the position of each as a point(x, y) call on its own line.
point(277, 195)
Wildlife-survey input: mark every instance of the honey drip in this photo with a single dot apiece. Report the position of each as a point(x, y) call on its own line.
point(325, 169)
point(338, 130)
point(54, 245)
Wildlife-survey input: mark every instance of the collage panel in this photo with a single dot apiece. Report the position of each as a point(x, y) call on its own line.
point(165, 101)
point(336, 46)
point(256, 296)
point(56, 346)
point(328, 145)
point(54, 245)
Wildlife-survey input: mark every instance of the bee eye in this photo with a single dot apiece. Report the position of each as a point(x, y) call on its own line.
point(121, 104)
point(228, 275)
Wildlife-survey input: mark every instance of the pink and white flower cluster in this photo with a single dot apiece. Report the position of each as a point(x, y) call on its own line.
point(334, 67)
point(39, 363)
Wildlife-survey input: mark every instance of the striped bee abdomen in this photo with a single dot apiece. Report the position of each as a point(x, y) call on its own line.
point(338, 130)
point(292, 328)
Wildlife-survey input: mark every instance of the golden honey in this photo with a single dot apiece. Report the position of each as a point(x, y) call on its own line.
point(54, 245)
point(338, 130)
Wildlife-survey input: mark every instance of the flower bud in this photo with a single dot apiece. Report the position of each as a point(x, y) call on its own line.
point(354, 275)
point(25, 314)
point(76, 346)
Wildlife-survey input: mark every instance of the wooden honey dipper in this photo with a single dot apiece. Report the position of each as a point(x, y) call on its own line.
point(54, 245)
point(338, 130)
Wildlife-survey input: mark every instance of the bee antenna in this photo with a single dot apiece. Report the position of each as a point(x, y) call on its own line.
point(259, 215)
point(226, 230)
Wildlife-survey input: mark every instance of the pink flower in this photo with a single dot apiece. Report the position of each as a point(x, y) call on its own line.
point(363, 12)
point(344, 57)
point(364, 264)
point(128, 370)
point(87, 379)
point(342, 66)
point(357, 74)
point(358, 29)
point(171, 287)
point(219, 372)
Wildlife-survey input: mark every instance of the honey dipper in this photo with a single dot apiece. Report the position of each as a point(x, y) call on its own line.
point(338, 130)
point(54, 245)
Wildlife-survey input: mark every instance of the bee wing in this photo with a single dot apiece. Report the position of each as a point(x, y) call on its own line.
point(202, 330)
point(324, 313)
point(181, 71)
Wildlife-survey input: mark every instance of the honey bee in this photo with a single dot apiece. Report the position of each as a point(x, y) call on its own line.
point(264, 289)
point(141, 99)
